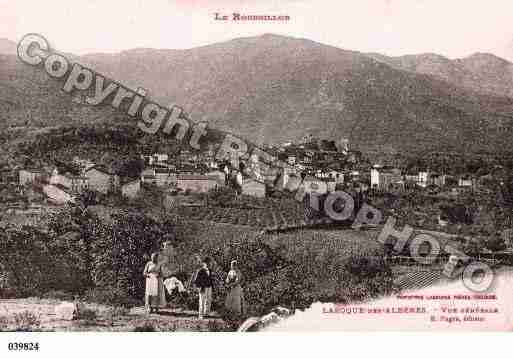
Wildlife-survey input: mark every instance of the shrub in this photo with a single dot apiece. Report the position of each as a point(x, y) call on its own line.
point(473, 247)
point(217, 326)
point(119, 256)
point(87, 313)
point(28, 260)
point(145, 327)
point(116, 312)
point(109, 295)
point(495, 243)
point(80, 251)
point(58, 295)
point(26, 321)
point(4, 322)
point(289, 269)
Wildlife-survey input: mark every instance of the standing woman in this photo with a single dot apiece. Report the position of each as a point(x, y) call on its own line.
point(154, 297)
point(234, 302)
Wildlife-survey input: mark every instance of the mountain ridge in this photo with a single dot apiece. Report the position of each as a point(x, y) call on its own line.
point(274, 88)
point(481, 72)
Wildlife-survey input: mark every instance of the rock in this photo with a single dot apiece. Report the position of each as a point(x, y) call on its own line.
point(67, 311)
point(250, 324)
point(281, 311)
point(269, 319)
point(255, 324)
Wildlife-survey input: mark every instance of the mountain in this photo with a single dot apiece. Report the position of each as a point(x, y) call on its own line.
point(480, 72)
point(7, 47)
point(28, 97)
point(273, 88)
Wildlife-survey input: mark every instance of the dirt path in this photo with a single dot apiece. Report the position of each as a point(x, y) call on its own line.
point(39, 315)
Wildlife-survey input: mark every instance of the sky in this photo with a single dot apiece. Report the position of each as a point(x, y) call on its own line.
point(453, 28)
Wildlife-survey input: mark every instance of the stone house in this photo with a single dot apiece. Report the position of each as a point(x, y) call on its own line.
point(101, 180)
point(131, 188)
point(465, 181)
point(251, 187)
point(79, 184)
point(423, 179)
point(159, 176)
point(164, 177)
point(58, 194)
point(196, 183)
point(314, 185)
point(75, 184)
point(221, 177)
point(385, 177)
point(437, 179)
point(27, 176)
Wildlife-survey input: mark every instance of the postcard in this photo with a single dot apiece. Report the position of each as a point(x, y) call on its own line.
point(255, 166)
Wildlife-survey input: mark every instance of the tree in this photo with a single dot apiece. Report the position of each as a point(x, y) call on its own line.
point(131, 168)
point(120, 252)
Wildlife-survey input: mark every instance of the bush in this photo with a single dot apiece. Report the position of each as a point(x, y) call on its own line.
point(26, 321)
point(119, 256)
point(86, 313)
point(116, 312)
point(4, 322)
point(111, 296)
point(28, 261)
point(79, 252)
point(59, 295)
point(145, 327)
point(495, 243)
point(289, 269)
point(300, 285)
point(217, 326)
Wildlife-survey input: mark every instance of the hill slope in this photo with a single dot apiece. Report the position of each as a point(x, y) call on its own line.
point(480, 72)
point(273, 88)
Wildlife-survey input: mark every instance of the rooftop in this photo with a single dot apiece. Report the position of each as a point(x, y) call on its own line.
point(197, 177)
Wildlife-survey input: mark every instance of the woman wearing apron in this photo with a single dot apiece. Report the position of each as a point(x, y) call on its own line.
point(155, 296)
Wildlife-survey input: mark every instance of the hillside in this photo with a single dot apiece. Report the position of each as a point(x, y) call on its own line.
point(273, 88)
point(481, 72)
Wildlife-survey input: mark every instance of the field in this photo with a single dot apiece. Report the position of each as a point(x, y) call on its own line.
point(290, 269)
point(268, 217)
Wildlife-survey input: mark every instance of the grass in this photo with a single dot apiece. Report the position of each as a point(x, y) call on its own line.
point(33, 315)
point(24, 321)
point(145, 327)
point(87, 313)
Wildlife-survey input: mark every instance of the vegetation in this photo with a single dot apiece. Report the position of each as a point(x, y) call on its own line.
point(100, 258)
point(81, 254)
point(293, 269)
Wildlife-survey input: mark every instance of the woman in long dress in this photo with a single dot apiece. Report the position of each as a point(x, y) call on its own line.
point(155, 297)
point(234, 303)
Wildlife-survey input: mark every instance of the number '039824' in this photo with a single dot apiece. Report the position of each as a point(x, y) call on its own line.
point(23, 346)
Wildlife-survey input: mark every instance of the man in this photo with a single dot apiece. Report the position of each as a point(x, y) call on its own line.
point(204, 282)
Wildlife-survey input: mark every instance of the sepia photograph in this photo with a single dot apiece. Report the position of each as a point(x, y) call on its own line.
point(266, 166)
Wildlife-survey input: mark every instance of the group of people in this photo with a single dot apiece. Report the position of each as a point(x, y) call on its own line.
point(204, 282)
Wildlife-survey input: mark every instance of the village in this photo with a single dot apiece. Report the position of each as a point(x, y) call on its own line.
point(216, 197)
point(190, 172)
point(181, 176)
point(199, 173)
